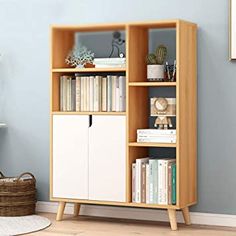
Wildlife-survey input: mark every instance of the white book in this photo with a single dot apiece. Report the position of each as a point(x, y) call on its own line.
point(87, 93)
point(160, 181)
point(64, 93)
point(109, 60)
point(82, 86)
point(122, 97)
point(156, 131)
point(147, 183)
point(109, 93)
point(96, 93)
point(61, 93)
point(77, 93)
point(157, 135)
point(100, 93)
point(156, 140)
point(113, 106)
point(138, 183)
point(110, 65)
point(91, 92)
point(68, 99)
point(117, 91)
point(104, 94)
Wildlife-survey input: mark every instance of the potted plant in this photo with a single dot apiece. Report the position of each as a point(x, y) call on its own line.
point(155, 61)
point(80, 57)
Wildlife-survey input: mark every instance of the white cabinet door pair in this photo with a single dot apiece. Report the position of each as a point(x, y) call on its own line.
point(89, 162)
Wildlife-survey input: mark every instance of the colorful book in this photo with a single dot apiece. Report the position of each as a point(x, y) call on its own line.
point(138, 178)
point(153, 181)
point(143, 183)
point(174, 183)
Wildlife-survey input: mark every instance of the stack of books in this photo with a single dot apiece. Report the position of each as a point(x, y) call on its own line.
point(109, 62)
point(156, 135)
point(93, 93)
point(154, 181)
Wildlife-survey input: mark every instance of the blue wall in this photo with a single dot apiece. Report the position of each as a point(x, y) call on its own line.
point(24, 85)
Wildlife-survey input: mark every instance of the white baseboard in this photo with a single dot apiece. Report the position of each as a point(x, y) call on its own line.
point(140, 214)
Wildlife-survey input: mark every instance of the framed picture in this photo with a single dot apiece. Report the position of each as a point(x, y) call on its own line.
point(232, 30)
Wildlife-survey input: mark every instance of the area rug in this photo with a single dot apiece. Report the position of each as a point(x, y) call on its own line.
point(10, 226)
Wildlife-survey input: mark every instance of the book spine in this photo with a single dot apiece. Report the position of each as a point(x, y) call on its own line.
point(147, 183)
point(122, 97)
point(109, 93)
point(88, 93)
point(157, 140)
point(117, 91)
point(61, 93)
point(73, 92)
point(91, 92)
point(77, 93)
point(64, 93)
point(152, 181)
point(174, 184)
point(138, 182)
point(169, 183)
point(133, 182)
point(113, 93)
point(82, 93)
point(104, 94)
point(155, 183)
point(165, 182)
point(160, 182)
point(68, 99)
point(143, 183)
point(153, 136)
point(96, 94)
point(156, 132)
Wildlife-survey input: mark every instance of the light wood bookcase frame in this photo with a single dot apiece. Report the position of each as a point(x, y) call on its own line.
point(62, 40)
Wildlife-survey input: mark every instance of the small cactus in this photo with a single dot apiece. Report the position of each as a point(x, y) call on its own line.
point(159, 57)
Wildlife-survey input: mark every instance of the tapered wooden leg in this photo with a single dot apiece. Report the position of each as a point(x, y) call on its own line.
point(60, 210)
point(172, 218)
point(186, 216)
point(76, 209)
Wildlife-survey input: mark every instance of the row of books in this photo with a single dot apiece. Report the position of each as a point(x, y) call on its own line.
point(119, 62)
point(156, 135)
point(154, 181)
point(92, 93)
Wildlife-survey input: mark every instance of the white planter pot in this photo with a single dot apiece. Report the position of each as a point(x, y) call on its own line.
point(155, 72)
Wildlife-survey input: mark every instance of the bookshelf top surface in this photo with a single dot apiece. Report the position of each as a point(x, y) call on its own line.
point(120, 26)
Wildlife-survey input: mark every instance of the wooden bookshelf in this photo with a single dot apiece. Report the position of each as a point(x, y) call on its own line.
point(136, 115)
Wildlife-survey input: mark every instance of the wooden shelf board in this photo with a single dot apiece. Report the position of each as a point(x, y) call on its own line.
point(109, 203)
point(90, 27)
point(88, 113)
point(135, 144)
point(88, 70)
point(152, 84)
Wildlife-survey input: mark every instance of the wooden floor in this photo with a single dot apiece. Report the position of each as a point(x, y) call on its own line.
point(87, 226)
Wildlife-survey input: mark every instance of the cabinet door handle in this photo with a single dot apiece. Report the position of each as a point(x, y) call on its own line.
point(90, 120)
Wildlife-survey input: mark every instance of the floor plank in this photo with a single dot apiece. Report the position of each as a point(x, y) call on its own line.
point(90, 226)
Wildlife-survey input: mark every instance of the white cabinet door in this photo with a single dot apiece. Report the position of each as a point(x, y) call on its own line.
point(107, 158)
point(70, 156)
